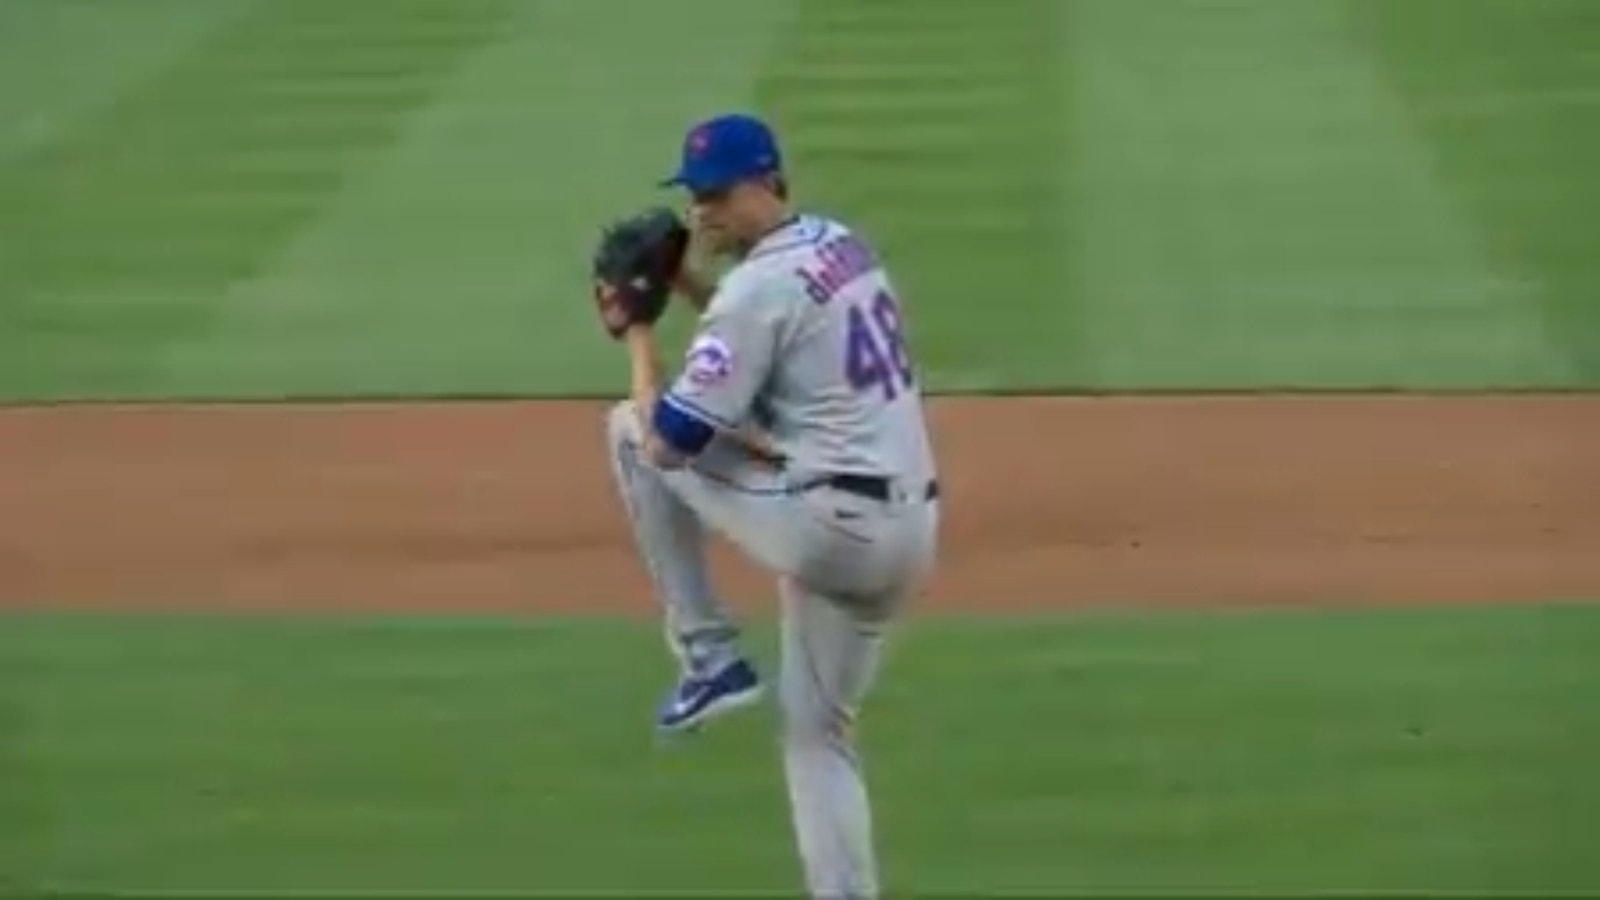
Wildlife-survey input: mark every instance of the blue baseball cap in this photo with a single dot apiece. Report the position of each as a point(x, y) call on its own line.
point(721, 152)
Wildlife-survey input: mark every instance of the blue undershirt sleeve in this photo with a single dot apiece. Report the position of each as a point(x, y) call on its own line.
point(680, 428)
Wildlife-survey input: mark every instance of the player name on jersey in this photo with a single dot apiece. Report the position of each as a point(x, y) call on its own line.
point(841, 259)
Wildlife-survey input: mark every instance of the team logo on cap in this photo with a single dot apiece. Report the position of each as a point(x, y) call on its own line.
point(699, 142)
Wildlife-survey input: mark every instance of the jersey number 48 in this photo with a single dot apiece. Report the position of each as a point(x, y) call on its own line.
point(876, 356)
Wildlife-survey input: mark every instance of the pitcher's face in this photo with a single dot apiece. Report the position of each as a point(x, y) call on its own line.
point(731, 220)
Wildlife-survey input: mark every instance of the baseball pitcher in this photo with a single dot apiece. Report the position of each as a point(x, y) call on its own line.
point(796, 429)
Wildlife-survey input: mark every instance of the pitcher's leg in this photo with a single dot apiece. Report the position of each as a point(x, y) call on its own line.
point(671, 539)
point(830, 659)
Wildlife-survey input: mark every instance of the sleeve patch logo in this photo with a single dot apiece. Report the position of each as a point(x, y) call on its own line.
point(710, 361)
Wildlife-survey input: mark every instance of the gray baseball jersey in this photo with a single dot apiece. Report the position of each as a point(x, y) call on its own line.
point(805, 336)
point(807, 332)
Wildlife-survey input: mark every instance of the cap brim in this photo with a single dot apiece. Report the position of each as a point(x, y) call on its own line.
point(699, 185)
point(705, 181)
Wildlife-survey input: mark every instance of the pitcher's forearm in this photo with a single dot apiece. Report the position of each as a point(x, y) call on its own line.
point(695, 288)
point(644, 383)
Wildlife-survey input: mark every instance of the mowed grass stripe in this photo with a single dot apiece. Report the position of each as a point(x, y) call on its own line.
point(1507, 96)
point(57, 68)
point(1259, 214)
point(938, 129)
point(447, 267)
point(22, 822)
point(1420, 750)
point(131, 229)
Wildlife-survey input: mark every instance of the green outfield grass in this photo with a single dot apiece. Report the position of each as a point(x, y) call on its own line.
point(1279, 751)
point(263, 197)
point(260, 198)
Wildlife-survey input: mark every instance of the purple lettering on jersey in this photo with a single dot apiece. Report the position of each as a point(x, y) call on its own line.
point(886, 315)
point(875, 353)
point(866, 365)
point(840, 261)
point(815, 289)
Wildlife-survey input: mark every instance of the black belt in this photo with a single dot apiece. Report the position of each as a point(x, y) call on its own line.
point(872, 487)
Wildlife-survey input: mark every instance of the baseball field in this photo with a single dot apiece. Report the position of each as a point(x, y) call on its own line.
point(1264, 333)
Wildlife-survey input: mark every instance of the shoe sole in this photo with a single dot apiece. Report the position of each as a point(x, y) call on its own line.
point(716, 709)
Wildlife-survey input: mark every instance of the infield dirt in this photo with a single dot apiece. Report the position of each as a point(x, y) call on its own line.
point(1049, 503)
